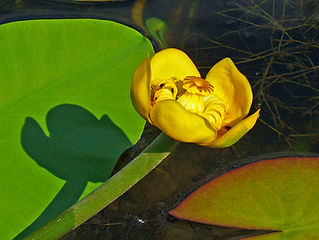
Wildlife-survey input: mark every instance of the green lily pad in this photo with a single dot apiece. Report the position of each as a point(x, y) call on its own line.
point(280, 194)
point(65, 113)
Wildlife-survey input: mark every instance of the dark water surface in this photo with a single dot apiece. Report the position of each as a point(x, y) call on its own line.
point(274, 43)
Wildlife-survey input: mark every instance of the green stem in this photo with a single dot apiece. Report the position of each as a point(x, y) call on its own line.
point(109, 191)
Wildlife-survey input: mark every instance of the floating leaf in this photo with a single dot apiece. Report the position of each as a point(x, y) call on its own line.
point(65, 113)
point(280, 194)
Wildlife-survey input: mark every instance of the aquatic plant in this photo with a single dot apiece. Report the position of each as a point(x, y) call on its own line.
point(169, 92)
point(282, 72)
point(66, 114)
point(278, 194)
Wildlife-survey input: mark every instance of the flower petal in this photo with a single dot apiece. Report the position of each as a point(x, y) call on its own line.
point(172, 62)
point(235, 133)
point(140, 88)
point(180, 124)
point(233, 88)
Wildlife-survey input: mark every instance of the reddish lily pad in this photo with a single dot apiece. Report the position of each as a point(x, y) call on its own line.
point(280, 194)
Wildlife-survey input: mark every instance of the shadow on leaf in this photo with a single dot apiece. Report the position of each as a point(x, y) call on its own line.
point(79, 149)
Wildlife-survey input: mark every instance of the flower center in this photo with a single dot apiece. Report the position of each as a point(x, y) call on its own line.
point(194, 94)
point(197, 85)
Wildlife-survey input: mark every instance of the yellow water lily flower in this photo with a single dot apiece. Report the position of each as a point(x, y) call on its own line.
point(168, 91)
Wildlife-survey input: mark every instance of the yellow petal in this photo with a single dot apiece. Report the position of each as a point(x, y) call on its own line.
point(235, 133)
point(140, 88)
point(180, 124)
point(172, 62)
point(233, 88)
